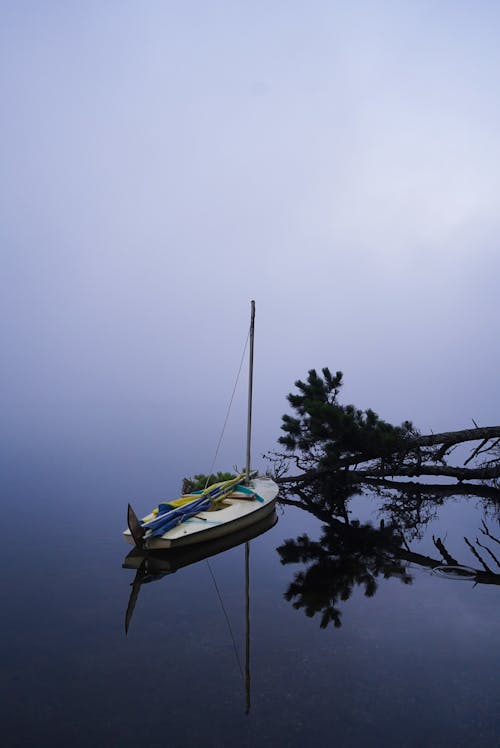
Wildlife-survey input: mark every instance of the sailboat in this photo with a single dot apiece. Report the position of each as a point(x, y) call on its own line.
point(219, 510)
point(151, 567)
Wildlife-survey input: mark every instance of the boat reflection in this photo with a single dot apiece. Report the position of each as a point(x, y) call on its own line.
point(352, 554)
point(151, 566)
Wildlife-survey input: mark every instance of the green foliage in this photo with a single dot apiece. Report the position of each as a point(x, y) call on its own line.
point(330, 433)
point(200, 481)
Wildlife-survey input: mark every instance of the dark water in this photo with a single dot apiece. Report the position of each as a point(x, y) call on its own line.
point(415, 662)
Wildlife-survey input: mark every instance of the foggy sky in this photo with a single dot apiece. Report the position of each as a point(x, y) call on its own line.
point(165, 162)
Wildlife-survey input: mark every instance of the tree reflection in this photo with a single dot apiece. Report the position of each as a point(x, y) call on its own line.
point(346, 556)
point(351, 554)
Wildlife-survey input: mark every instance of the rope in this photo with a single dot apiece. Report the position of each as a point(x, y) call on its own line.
point(228, 409)
point(457, 572)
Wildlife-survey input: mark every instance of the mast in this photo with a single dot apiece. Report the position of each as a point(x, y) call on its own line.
point(250, 389)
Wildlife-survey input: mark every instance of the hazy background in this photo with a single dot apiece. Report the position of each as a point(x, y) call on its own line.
point(165, 162)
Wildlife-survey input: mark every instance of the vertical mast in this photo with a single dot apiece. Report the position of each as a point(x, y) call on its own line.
point(250, 388)
point(247, 481)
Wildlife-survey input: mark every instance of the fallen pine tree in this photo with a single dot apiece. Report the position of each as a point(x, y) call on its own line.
point(325, 438)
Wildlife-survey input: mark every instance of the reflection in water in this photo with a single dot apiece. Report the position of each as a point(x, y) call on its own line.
point(151, 566)
point(351, 554)
point(154, 565)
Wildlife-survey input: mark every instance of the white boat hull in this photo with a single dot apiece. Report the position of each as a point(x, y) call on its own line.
point(234, 514)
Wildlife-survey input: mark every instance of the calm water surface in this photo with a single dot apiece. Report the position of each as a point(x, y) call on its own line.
point(406, 658)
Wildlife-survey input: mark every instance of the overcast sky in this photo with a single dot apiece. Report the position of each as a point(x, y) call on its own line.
point(165, 162)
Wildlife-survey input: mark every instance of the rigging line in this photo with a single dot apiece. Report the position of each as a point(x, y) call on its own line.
point(228, 409)
point(226, 617)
